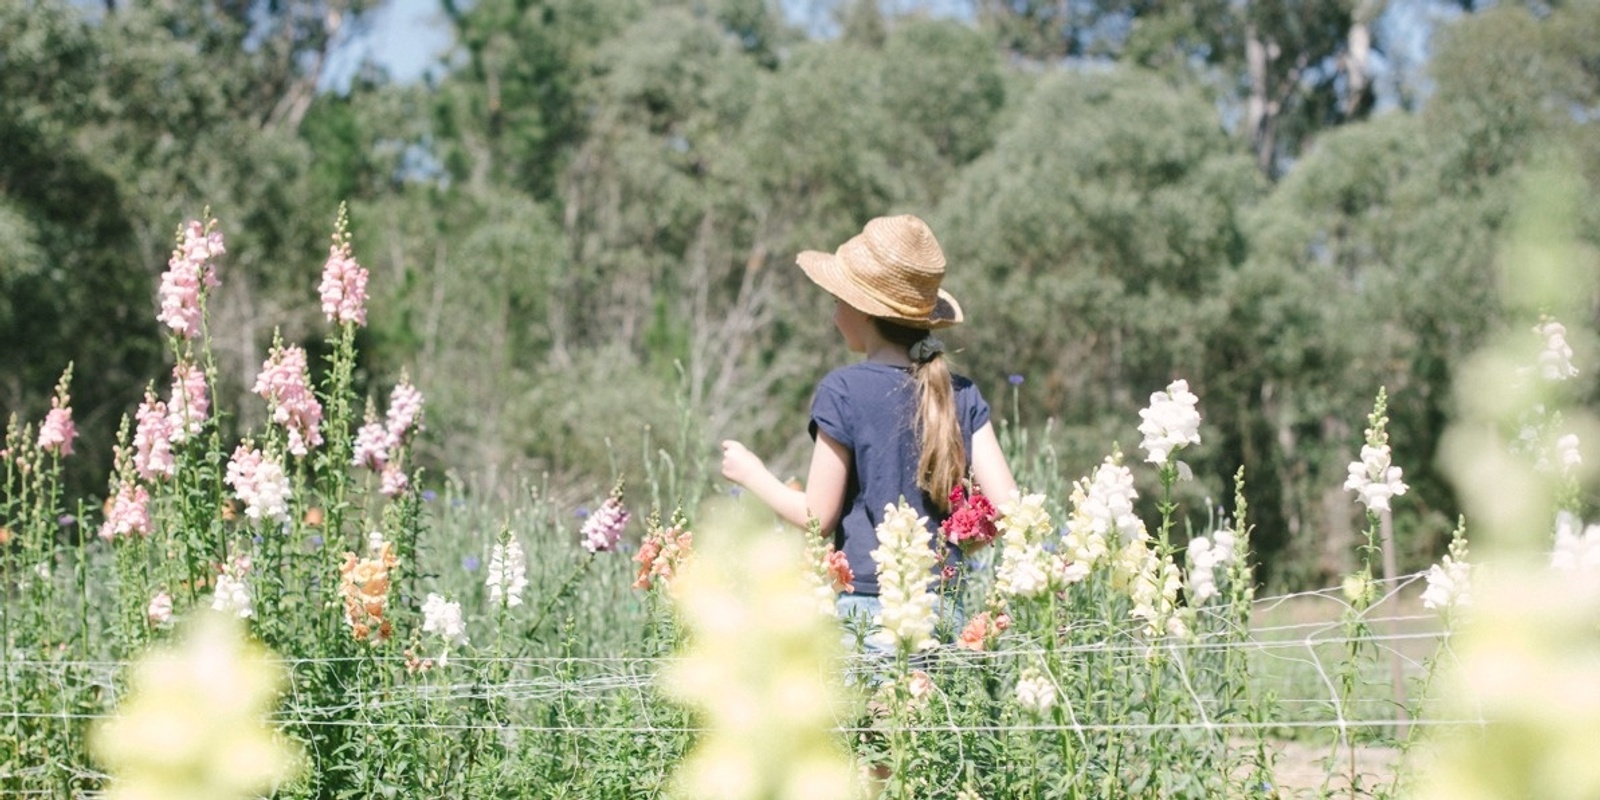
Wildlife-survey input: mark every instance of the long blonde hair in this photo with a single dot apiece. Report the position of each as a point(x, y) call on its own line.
point(942, 459)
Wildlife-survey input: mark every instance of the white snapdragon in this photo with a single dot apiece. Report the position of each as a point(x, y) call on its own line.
point(1555, 361)
point(1450, 580)
point(232, 594)
point(1205, 555)
point(1374, 479)
point(1154, 592)
point(1023, 570)
point(443, 617)
point(508, 574)
point(1170, 423)
point(905, 561)
point(1106, 506)
point(1027, 567)
point(1577, 548)
point(1024, 517)
point(1035, 693)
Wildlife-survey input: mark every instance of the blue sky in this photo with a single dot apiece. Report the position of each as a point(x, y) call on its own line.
point(405, 37)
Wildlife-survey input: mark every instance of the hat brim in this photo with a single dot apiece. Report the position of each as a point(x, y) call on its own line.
point(828, 272)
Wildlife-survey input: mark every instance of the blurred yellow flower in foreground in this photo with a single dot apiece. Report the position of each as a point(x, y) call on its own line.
point(193, 726)
point(762, 667)
point(1530, 669)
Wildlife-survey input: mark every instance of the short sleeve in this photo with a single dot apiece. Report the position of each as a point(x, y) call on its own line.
point(830, 413)
point(974, 408)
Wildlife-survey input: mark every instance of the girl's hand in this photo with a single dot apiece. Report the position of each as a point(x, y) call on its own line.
point(739, 465)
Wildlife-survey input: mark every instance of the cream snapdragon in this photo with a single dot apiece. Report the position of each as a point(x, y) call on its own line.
point(904, 562)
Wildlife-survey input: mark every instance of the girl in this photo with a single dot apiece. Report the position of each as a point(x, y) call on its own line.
point(897, 424)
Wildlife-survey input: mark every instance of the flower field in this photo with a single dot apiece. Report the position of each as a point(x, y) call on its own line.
point(298, 611)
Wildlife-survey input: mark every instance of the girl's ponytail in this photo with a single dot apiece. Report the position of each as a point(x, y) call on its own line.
point(942, 461)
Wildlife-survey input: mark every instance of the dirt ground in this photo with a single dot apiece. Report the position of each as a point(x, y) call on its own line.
point(1302, 770)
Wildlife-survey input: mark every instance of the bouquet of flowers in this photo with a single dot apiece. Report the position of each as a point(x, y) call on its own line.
point(971, 524)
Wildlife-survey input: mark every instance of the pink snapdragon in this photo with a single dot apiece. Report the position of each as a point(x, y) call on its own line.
point(129, 512)
point(260, 483)
point(405, 411)
point(344, 282)
point(159, 611)
point(285, 383)
point(152, 440)
point(603, 529)
point(371, 447)
point(58, 431)
point(189, 274)
point(187, 409)
point(395, 482)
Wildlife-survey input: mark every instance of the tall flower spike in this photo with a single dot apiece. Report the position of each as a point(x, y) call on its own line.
point(232, 593)
point(1170, 423)
point(663, 551)
point(405, 412)
point(1374, 479)
point(188, 405)
point(1450, 580)
point(344, 282)
point(1205, 555)
point(1027, 568)
point(190, 274)
point(1035, 693)
point(508, 573)
point(760, 669)
point(443, 618)
point(372, 444)
point(128, 512)
point(152, 440)
point(259, 481)
point(285, 383)
point(58, 431)
point(904, 562)
point(603, 529)
point(364, 585)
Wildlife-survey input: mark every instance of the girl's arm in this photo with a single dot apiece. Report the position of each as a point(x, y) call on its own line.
point(823, 497)
point(989, 467)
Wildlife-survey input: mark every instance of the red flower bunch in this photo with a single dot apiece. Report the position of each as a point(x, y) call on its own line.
point(970, 525)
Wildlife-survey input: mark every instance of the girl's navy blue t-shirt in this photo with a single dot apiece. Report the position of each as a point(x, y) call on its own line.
point(870, 408)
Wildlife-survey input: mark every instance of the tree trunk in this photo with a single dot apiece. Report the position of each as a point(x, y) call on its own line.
point(1258, 110)
point(1358, 57)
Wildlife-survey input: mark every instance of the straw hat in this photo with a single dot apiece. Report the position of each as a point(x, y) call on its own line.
point(892, 270)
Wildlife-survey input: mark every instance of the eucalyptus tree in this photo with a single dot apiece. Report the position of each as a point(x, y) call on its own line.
point(1376, 262)
point(1093, 237)
point(1283, 70)
point(66, 237)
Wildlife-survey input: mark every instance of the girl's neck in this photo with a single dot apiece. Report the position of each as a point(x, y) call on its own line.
point(887, 352)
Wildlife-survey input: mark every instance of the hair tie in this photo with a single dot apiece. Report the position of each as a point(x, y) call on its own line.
point(925, 349)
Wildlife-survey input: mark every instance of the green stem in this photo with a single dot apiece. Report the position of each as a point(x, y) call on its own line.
point(566, 587)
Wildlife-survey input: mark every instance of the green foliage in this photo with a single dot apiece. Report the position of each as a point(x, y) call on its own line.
point(1092, 241)
point(613, 191)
